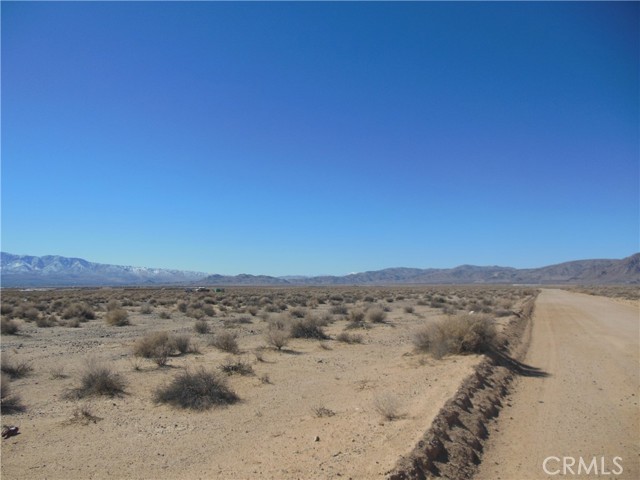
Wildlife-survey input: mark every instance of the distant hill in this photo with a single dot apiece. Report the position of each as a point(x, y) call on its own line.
point(57, 271)
point(53, 270)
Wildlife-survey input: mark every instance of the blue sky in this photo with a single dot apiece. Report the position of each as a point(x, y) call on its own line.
point(320, 138)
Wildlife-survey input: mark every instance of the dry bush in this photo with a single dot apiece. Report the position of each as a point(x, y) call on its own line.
point(97, 380)
point(15, 369)
point(197, 390)
point(9, 403)
point(237, 367)
point(8, 327)
point(338, 310)
point(307, 328)
point(157, 346)
point(146, 309)
point(461, 334)
point(277, 338)
point(376, 315)
point(409, 309)
point(321, 411)
point(47, 321)
point(226, 342)
point(81, 311)
point(181, 343)
point(117, 317)
point(349, 338)
point(164, 315)
point(202, 327)
point(388, 406)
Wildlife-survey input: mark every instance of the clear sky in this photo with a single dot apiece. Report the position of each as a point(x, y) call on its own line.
point(320, 138)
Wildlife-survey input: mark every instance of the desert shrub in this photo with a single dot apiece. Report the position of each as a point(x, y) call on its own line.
point(182, 307)
point(113, 305)
point(46, 321)
point(201, 326)
point(146, 309)
point(349, 338)
point(181, 343)
point(8, 327)
point(321, 411)
point(356, 315)
point(457, 335)
point(209, 311)
point(157, 346)
point(9, 403)
point(196, 313)
point(6, 309)
point(376, 315)
point(338, 310)
point(277, 338)
point(388, 406)
point(81, 311)
point(253, 310)
point(197, 390)
point(164, 315)
point(117, 318)
point(409, 309)
point(15, 369)
point(298, 312)
point(98, 380)
point(225, 341)
point(231, 367)
point(72, 323)
point(307, 328)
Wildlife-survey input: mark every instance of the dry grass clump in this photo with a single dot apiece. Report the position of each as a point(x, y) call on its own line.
point(8, 327)
point(388, 406)
point(226, 342)
point(197, 390)
point(277, 338)
point(9, 403)
point(376, 315)
point(97, 380)
point(236, 367)
point(159, 346)
point(118, 317)
point(308, 327)
point(321, 412)
point(349, 338)
point(81, 311)
point(202, 327)
point(15, 369)
point(461, 334)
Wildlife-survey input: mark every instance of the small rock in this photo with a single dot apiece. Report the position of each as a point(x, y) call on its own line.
point(317, 439)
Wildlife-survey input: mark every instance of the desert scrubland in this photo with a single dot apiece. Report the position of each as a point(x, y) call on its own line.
point(297, 382)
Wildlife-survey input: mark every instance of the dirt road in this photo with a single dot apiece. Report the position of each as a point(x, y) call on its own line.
point(583, 417)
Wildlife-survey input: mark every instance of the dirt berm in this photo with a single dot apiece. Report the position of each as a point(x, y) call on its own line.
point(453, 445)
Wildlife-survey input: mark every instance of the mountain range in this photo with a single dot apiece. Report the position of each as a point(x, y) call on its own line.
point(58, 271)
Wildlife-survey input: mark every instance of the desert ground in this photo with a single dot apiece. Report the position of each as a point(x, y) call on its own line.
point(331, 382)
point(346, 401)
point(586, 406)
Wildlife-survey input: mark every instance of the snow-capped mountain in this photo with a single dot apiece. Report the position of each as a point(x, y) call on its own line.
point(55, 270)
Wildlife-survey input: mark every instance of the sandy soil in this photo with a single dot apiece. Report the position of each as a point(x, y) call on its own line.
point(273, 433)
point(586, 407)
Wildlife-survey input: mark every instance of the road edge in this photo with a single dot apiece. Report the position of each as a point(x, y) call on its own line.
point(452, 446)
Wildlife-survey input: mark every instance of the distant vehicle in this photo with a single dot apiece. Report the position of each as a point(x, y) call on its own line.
point(219, 290)
point(202, 289)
